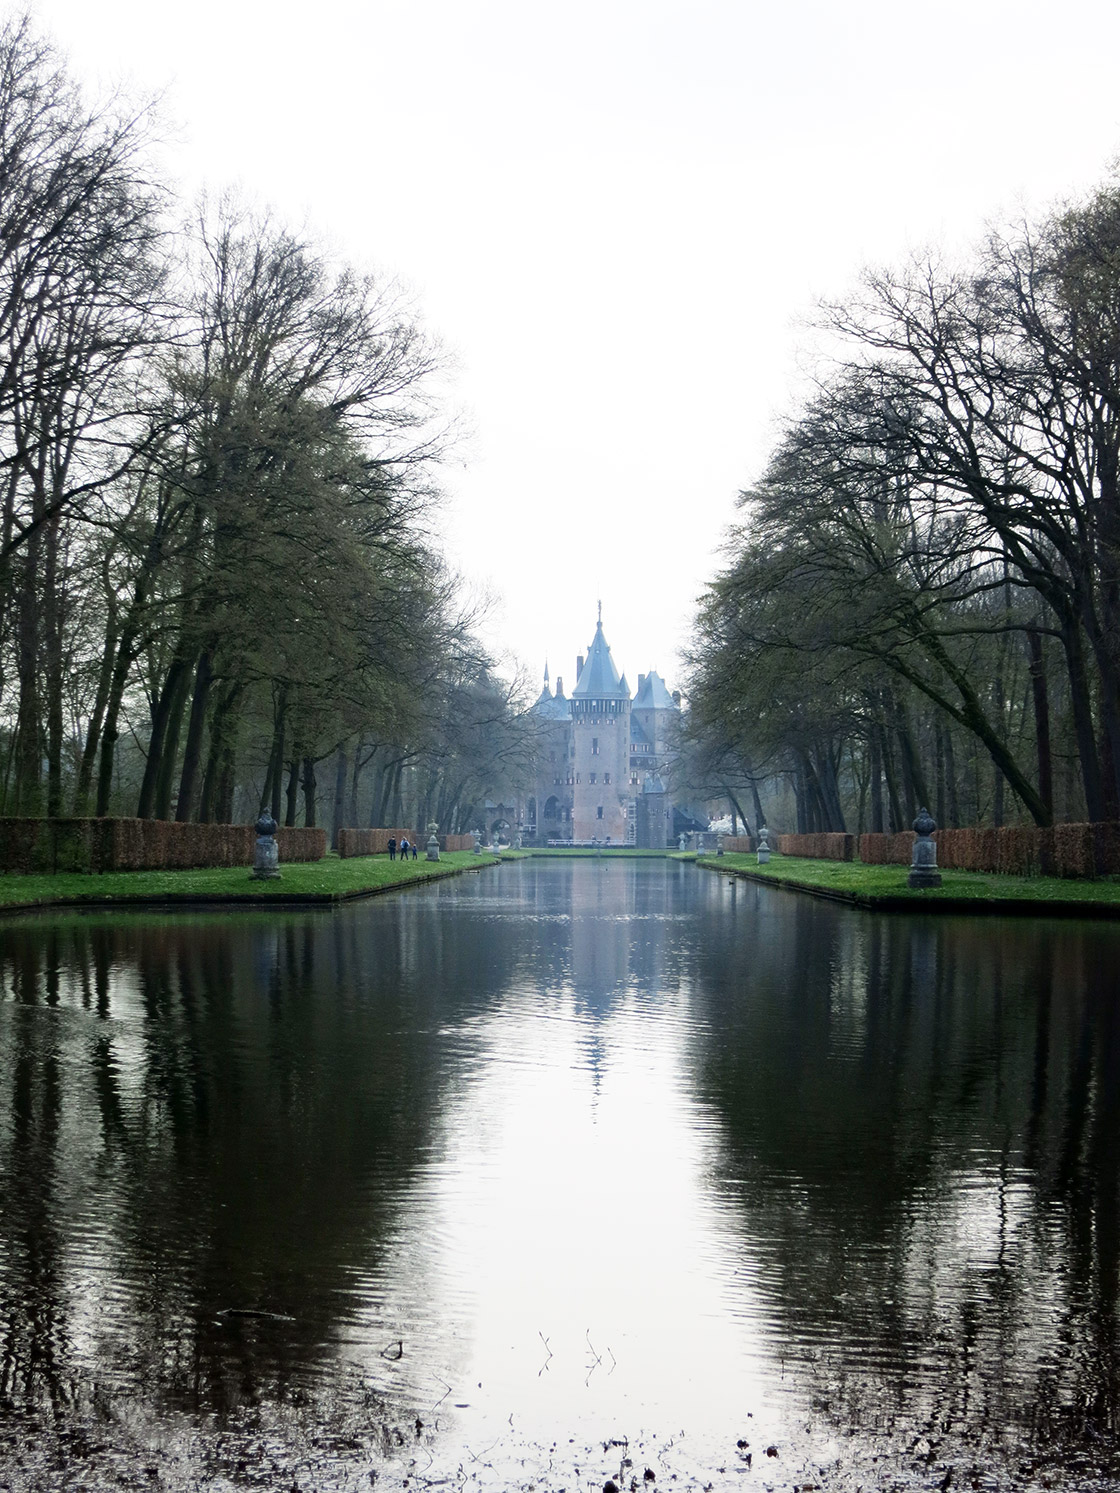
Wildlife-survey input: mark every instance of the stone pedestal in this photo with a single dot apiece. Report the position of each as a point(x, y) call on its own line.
point(763, 845)
point(477, 842)
point(432, 852)
point(266, 857)
point(923, 863)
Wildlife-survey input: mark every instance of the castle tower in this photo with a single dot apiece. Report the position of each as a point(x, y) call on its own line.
point(600, 707)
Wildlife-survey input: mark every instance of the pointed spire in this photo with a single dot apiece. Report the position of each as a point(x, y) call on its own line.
point(546, 671)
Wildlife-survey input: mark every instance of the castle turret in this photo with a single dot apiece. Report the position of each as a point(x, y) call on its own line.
point(601, 737)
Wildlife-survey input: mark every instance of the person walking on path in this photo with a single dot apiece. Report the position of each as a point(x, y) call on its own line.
point(392, 847)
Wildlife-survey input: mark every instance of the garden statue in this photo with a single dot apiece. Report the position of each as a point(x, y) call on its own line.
point(267, 854)
point(763, 845)
point(433, 842)
point(923, 864)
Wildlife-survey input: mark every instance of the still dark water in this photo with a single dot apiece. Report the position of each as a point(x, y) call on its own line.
point(536, 1173)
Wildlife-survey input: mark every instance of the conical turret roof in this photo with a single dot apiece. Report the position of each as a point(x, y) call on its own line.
point(653, 694)
point(599, 678)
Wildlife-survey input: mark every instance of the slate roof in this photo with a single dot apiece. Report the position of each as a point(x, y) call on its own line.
point(653, 694)
point(599, 679)
point(638, 734)
point(552, 707)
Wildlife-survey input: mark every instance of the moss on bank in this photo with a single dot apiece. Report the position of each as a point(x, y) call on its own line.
point(328, 880)
point(885, 887)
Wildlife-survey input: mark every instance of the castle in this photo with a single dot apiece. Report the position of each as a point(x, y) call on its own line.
point(604, 759)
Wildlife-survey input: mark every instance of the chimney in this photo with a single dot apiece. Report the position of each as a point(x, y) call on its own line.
point(579, 666)
point(641, 681)
point(559, 686)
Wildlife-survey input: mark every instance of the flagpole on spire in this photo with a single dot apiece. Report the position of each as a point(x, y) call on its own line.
point(600, 613)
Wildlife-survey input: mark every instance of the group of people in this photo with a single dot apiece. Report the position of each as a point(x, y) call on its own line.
point(405, 847)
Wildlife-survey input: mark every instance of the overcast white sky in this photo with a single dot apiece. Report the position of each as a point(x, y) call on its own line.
point(618, 215)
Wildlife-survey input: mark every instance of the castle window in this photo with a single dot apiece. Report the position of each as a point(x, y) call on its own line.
point(599, 812)
point(594, 746)
point(590, 777)
point(606, 777)
point(577, 777)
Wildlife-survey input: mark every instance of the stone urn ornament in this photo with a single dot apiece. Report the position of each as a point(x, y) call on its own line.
point(763, 845)
point(432, 852)
point(266, 856)
point(477, 836)
point(923, 863)
point(682, 841)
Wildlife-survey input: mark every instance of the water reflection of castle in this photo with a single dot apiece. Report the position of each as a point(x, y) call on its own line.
point(605, 762)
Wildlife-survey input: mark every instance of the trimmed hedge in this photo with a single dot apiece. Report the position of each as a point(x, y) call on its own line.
point(369, 841)
point(1073, 850)
point(819, 847)
point(886, 850)
point(95, 845)
point(353, 842)
point(738, 844)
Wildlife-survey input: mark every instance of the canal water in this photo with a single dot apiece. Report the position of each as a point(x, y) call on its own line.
point(561, 1171)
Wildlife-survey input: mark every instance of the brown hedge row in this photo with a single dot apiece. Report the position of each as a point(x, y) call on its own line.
point(738, 844)
point(1065, 850)
point(822, 847)
point(369, 841)
point(886, 850)
point(456, 842)
point(376, 841)
point(96, 845)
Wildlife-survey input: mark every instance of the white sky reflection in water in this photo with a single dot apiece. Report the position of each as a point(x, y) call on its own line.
point(566, 1201)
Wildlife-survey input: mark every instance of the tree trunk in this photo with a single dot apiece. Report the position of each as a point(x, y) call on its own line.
point(309, 792)
point(125, 657)
point(876, 781)
point(292, 803)
point(952, 802)
point(939, 772)
point(52, 659)
point(997, 775)
point(339, 794)
point(29, 726)
point(897, 819)
point(97, 715)
point(174, 688)
point(1040, 698)
point(219, 758)
point(1081, 706)
point(192, 754)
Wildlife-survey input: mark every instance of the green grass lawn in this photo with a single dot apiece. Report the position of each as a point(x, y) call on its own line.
point(327, 880)
point(871, 884)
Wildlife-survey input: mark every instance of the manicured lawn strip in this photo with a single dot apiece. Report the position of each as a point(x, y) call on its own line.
point(328, 880)
point(885, 886)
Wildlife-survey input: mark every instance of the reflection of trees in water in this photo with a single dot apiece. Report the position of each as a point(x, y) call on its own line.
point(201, 1120)
point(921, 1128)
